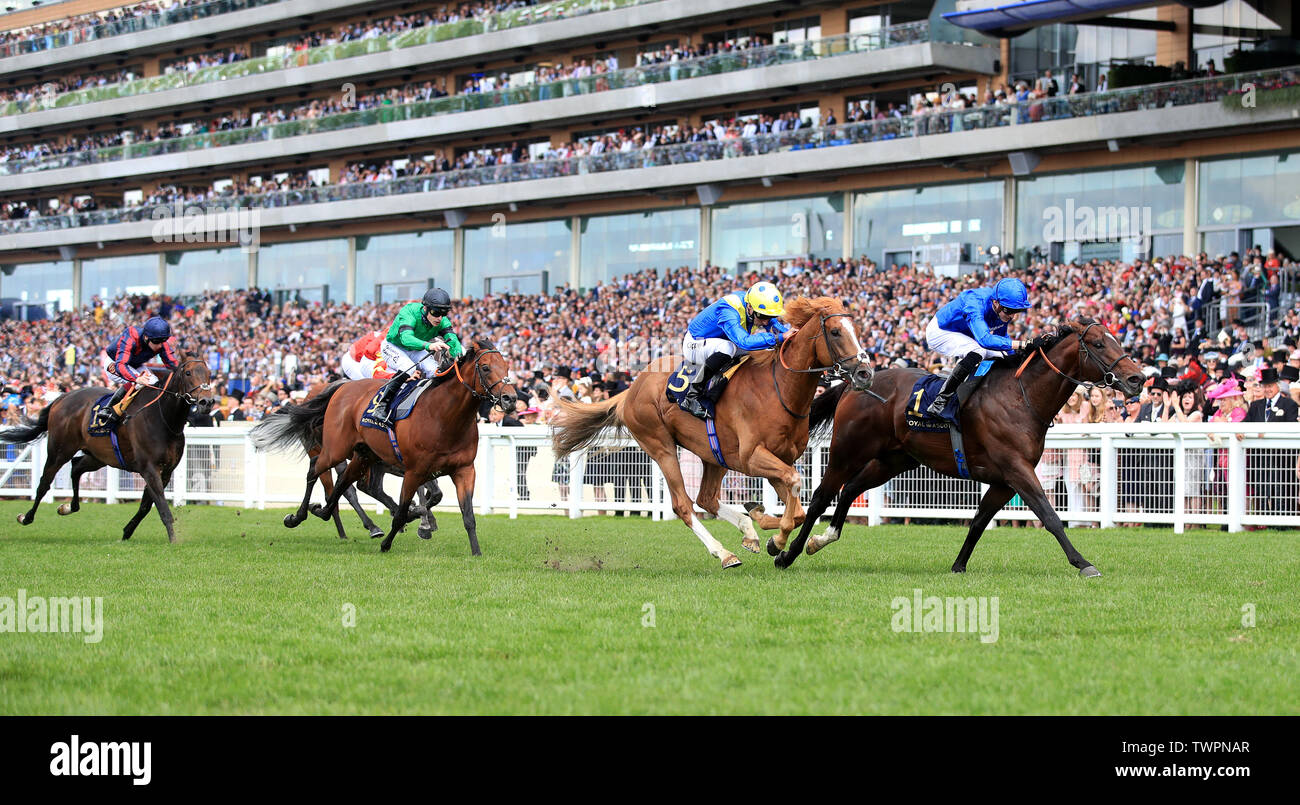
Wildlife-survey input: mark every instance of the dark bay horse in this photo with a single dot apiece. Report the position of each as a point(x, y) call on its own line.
point(1004, 425)
point(440, 437)
point(151, 437)
point(429, 494)
point(762, 420)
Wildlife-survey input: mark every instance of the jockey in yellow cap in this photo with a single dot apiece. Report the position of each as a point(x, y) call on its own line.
point(731, 327)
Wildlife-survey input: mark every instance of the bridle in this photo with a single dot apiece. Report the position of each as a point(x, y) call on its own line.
point(186, 395)
point(481, 371)
point(1108, 376)
point(837, 369)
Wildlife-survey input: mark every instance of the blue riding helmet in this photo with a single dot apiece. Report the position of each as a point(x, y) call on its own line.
point(156, 328)
point(1011, 293)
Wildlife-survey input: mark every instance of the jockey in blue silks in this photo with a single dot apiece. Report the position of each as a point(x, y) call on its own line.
point(122, 360)
point(973, 327)
point(733, 326)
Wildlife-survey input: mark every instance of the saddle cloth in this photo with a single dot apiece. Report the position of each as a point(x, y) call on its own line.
point(927, 387)
point(97, 412)
point(403, 403)
point(688, 374)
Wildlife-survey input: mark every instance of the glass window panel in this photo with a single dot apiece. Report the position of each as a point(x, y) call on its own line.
point(194, 272)
point(1250, 190)
point(899, 220)
point(308, 271)
point(810, 226)
point(517, 258)
point(393, 268)
point(111, 277)
point(614, 245)
point(35, 290)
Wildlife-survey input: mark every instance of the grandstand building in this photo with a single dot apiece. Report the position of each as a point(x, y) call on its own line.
point(330, 150)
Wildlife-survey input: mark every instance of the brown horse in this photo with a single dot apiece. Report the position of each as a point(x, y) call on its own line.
point(151, 438)
point(429, 494)
point(1004, 426)
point(762, 420)
point(439, 438)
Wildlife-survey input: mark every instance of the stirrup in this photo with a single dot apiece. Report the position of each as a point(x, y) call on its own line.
point(939, 405)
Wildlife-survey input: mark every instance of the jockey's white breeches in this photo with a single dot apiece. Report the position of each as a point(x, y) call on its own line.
point(401, 360)
point(698, 350)
point(354, 369)
point(954, 345)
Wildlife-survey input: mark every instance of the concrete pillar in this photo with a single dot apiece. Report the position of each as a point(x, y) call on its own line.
point(252, 268)
point(846, 227)
point(706, 235)
point(1191, 206)
point(352, 270)
point(1009, 218)
point(162, 272)
point(77, 301)
point(575, 252)
point(1176, 45)
point(458, 268)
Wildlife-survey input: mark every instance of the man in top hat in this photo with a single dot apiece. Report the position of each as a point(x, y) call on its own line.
point(1269, 475)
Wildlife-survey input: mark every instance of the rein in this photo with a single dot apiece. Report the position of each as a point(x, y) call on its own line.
point(836, 369)
point(1107, 371)
point(482, 377)
point(184, 395)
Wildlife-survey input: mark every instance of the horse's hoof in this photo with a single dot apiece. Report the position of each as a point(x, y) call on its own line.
point(376, 532)
point(782, 561)
point(772, 550)
point(66, 509)
point(320, 511)
point(730, 560)
point(1090, 572)
point(813, 546)
point(291, 522)
point(126, 537)
point(383, 547)
point(755, 510)
point(752, 544)
point(425, 533)
point(958, 568)
point(23, 519)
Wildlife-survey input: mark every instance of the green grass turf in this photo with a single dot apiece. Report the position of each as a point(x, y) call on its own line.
point(244, 616)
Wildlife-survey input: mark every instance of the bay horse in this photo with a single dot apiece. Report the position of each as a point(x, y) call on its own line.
point(151, 437)
point(429, 495)
point(1004, 425)
point(762, 420)
point(440, 437)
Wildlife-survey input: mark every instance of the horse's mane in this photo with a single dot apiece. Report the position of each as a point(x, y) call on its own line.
point(1044, 342)
point(799, 311)
point(476, 342)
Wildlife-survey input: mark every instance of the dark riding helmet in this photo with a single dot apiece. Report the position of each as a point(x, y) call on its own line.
point(437, 301)
point(156, 329)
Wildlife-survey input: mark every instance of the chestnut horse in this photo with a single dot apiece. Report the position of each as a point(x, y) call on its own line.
point(762, 420)
point(151, 437)
point(440, 437)
point(429, 494)
point(1004, 426)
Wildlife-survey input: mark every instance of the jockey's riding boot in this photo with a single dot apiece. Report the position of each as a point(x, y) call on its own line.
point(383, 412)
point(706, 386)
point(714, 382)
point(110, 417)
point(959, 374)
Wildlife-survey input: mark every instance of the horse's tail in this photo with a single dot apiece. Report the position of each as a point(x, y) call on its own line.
point(29, 430)
point(292, 426)
point(823, 409)
point(579, 424)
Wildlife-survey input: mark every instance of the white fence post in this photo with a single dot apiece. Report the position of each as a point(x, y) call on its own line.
point(1180, 484)
point(577, 468)
point(1236, 483)
point(875, 505)
point(1109, 460)
point(112, 484)
point(512, 482)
